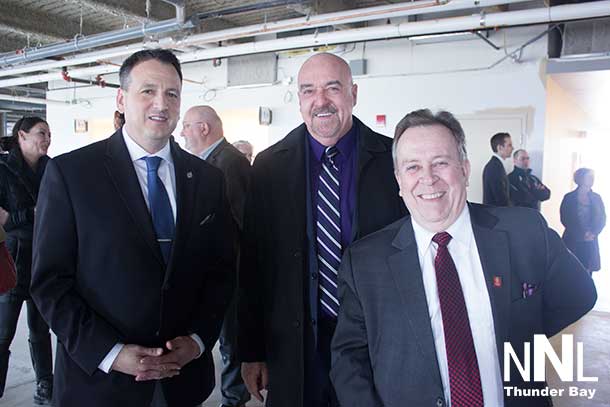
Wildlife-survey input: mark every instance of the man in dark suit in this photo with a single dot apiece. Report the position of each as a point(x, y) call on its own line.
point(202, 130)
point(526, 189)
point(134, 255)
point(495, 180)
point(428, 302)
point(325, 184)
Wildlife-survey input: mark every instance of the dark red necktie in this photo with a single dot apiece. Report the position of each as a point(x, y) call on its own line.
point(464, 376)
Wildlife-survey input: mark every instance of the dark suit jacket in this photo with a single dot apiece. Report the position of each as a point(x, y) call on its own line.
point(236, 169)
point(495, 184)
point(99, 277)
point(574, 229)
point(274, 273)
point(383, 348)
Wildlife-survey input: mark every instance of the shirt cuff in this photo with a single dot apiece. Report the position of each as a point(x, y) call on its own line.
point(197, 339)
point(106, 364)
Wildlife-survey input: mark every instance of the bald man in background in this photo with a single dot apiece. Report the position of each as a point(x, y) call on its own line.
point(202, 131)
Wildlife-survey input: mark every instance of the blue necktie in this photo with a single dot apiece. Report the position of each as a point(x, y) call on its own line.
point(160, 207)
point(329, 232)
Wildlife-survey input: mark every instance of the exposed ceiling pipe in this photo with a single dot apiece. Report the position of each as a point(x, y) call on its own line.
point(97, 40)
point(341, 17)
point(466, 23)
point(36, 101)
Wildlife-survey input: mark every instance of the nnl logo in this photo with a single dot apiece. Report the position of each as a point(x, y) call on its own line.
point(542, 348)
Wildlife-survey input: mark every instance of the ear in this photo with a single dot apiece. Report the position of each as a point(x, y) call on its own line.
point(398, 182)
point(21, 134)
point(466, 170)
point(120, 100)
point(205, 128)
point(355, 93)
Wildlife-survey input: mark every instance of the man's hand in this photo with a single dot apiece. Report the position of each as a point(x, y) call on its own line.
point(182, 350)
point(255, 377)
point(129, 361)
point(3, 216)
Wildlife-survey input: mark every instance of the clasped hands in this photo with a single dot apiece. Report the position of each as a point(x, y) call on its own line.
point(152, 364)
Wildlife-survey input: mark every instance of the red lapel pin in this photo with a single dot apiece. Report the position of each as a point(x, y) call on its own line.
point(497, 281)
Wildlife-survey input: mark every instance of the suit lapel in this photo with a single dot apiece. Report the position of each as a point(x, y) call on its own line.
point(186, 186)
point(291, 156)
point(367, 147)
point(409, 282)
point(495, 259)
point(120, 169)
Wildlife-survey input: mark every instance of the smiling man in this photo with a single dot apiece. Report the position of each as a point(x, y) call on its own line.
point(428, 302)
point(328, 182)
point(133, 255)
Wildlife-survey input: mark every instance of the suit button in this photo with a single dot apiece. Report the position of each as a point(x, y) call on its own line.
point(314, 276)
point(157, 333)
point(440, 402)
point(297, 254)
point(296, 324)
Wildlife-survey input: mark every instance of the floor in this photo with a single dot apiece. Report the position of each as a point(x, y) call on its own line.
point(593, 331)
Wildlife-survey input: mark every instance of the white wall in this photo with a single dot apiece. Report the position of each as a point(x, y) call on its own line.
point(402, 76)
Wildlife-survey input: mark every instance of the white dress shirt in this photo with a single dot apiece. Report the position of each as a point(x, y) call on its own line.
point(167, 173)
point(465, 255)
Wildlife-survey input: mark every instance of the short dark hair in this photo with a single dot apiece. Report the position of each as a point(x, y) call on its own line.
point(498, 140)
point(580, 174)
point(158, 54)
point(425, 117)
point(24, 124)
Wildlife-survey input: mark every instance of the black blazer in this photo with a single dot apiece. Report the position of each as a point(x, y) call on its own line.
point(575, 231)
point(99, 276)
point(495, 184)
point(274, 269)
point(236, 169)
point(383, 348)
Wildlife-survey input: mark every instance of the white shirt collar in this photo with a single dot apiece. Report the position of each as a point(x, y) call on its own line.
point(498, 157)
point(460, 231)
point(136, 152)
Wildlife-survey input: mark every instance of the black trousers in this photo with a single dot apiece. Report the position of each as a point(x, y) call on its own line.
point(318, 391)
point(10, 308)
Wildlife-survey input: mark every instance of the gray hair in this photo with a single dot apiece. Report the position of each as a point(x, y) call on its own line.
point(425, 117)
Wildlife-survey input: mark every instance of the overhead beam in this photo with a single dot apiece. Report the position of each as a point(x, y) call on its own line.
point(40, 27)
point(134, 9)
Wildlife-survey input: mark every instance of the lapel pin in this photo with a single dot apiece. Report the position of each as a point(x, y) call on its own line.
point(497, 281)
point(189, 175)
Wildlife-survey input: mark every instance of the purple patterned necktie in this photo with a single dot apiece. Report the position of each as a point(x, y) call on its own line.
point(464, 376)
point(328, 230)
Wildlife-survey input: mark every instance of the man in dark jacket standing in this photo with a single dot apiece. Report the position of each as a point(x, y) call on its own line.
point(202, 130)
point(495, 181)
point(525, 188)
point(327, 183)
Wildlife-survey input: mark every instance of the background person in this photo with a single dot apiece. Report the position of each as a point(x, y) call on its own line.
point(495, 180)
point(21, 172)
point(525, 188)
point(584, 217)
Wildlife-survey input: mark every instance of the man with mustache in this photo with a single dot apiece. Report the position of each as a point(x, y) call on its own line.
point(327, 183)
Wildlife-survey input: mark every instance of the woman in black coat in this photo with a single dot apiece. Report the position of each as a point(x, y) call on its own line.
point(584, 217)
point(21, 171)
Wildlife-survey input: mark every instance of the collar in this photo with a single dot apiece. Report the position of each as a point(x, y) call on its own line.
point(208, 151)
point(460, 231)
point(137, 153)
point(498, 157)
point(521, 171)
point(345, 145)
